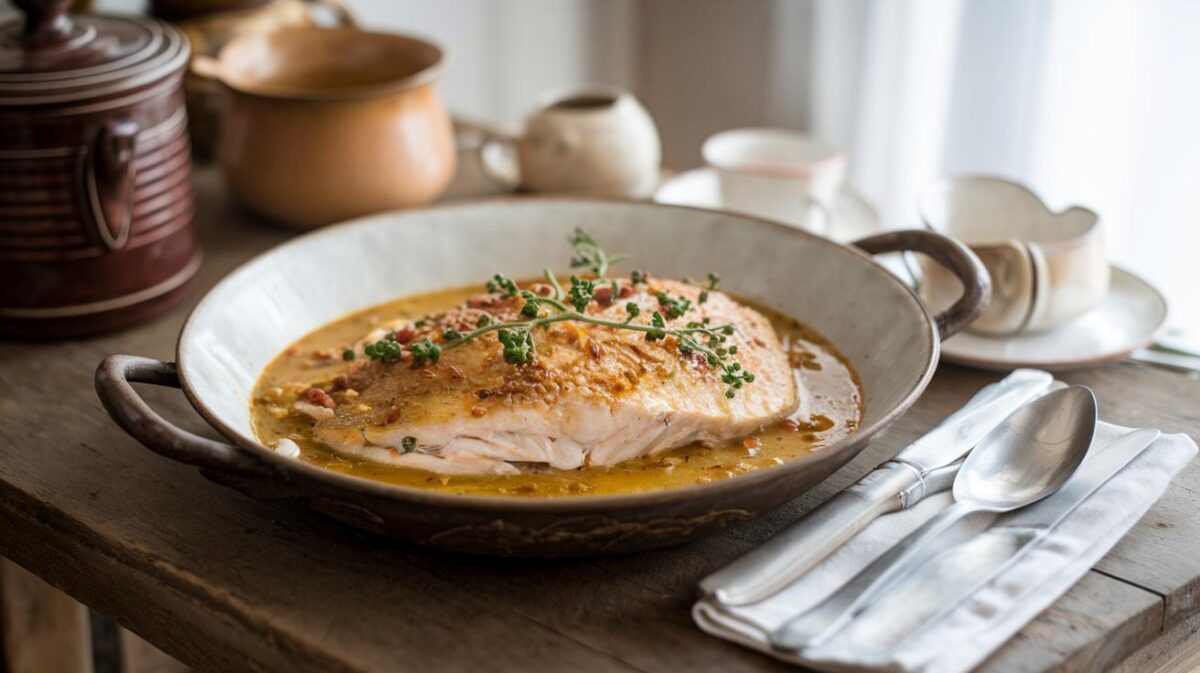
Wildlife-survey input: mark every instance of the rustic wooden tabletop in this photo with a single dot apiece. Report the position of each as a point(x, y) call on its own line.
point(226, 583)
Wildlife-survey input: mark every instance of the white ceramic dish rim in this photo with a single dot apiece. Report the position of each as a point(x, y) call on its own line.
point(261, 453)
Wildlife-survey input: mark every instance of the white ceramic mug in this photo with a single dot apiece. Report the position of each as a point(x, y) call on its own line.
point(777, 173)
point(1047, 268)
point(593, 140)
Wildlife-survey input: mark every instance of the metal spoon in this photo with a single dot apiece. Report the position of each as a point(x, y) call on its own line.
point(1024, 459)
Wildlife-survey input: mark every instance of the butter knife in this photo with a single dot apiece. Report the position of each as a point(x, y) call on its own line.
point(1024, 527)
point(926, 466)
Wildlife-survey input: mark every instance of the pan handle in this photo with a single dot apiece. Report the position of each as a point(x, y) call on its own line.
point(956, 257)
point(130, 411)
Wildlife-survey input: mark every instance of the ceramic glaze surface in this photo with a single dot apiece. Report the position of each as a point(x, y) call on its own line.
point(1127, 319)
point(1047, 268)
point(323, 125)
point(876, 322)
point(597, 141)
point(273, 301)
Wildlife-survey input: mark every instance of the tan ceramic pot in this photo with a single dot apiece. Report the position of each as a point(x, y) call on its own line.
point(323, 125)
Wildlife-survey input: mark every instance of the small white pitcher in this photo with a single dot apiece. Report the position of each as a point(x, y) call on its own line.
point(593, 140)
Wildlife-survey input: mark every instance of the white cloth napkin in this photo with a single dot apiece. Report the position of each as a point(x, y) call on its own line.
point(883, 638)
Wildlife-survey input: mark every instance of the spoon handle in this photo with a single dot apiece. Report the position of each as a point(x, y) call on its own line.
point(825, 618)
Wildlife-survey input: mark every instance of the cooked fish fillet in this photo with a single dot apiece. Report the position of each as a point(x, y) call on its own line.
point(594, 395)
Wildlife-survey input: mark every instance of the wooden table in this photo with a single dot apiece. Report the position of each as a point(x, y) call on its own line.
point(226, 583)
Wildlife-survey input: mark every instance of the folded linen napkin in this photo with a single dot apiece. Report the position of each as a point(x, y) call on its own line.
point(914, 628)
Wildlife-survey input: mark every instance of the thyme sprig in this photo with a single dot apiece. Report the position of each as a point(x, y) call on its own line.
point(697, 338)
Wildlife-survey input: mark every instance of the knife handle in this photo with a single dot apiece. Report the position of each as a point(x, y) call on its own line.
point(796, 549)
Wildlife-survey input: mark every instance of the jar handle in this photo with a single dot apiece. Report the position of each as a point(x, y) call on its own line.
point(108, 181)
point(46, 21)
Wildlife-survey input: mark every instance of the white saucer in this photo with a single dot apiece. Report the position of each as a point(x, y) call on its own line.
point(1127, 319)
point(853, 217)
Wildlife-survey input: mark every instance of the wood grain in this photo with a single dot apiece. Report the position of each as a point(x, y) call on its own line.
point(42, 628)
point(226, 583)
point(139, 656)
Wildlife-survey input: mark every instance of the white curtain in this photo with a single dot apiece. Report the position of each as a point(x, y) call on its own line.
point(1094, 102)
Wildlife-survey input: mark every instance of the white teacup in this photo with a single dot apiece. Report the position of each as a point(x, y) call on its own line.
point(778, 174)
point(1047, 268)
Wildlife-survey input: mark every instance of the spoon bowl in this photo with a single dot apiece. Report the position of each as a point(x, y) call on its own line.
point(1031, 454)
point(1024, 459)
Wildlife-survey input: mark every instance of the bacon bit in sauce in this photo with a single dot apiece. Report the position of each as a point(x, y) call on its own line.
point(320, 398)
point(626, 292)
point(482, 301)
point(405, 335)
point(752, 442)
point(478, 411)
point(603, 296)
point(322, 355)
point(339, 383)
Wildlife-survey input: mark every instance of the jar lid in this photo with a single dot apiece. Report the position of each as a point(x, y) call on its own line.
point(55, 57)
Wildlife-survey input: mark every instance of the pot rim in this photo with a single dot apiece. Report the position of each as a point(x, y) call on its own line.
point(361, 486)
point(426, 75)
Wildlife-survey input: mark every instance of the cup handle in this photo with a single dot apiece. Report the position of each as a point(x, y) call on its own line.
point(497, 159)
point(108, 175)
point(342, 15)
point(1039, 287)
point(956, 258)
point(207, 67)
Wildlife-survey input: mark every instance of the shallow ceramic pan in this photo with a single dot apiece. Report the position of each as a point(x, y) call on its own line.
point(262, 307)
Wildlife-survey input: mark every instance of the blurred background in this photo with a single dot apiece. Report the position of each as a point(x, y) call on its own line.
point(1089, 102)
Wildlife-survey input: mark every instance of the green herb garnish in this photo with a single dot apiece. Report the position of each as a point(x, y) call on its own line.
point(696, 339)
point(502, 284)
point(589, 254)
point(348, 355)
point(425, 351)
point(386, 349)
point(409, 444)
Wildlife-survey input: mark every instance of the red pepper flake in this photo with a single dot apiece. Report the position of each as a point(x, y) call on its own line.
point(626, 292)
point(789, 424)
point(320, 398)
point(752, 442)
point(482, 301)
point(405, 335)
point(603, 296)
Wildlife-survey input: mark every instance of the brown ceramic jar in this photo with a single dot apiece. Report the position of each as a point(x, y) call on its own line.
point(95, 172)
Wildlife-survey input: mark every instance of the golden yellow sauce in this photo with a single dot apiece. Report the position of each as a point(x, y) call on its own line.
point(830, 409)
